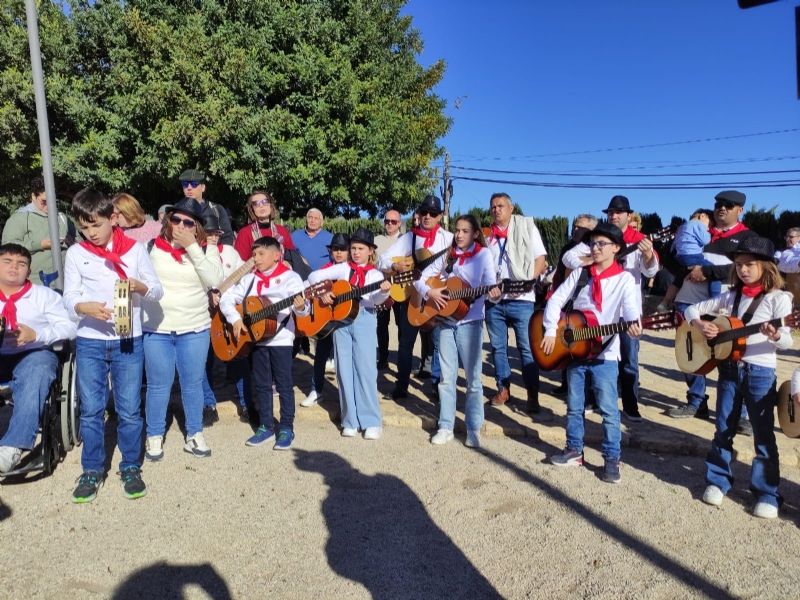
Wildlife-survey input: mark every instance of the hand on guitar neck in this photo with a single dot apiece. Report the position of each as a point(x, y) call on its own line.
point(549, 342)
point(329, 298)
point(441, 296)
point(709, 330)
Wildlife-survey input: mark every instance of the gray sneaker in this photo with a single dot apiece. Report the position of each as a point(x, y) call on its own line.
point(9, 458)
point(611, 471)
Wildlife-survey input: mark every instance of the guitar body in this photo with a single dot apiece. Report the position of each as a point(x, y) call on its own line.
point(566, 348)
point(322, 320)
point(225, 346)
point(788, 412)
point(402, 292)
point(694, 354)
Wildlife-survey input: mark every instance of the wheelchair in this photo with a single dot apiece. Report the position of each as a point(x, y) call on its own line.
point(59, 427)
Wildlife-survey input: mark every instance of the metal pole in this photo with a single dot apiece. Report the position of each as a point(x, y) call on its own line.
point(44, 141)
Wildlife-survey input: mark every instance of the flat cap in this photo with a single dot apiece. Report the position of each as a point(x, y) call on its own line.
point(192, 175)
point(737, 198)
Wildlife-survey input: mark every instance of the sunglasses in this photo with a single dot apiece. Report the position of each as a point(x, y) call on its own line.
point(187, 184)
point(263, 202)
point(428, 213)
point(600, 245)
point(390, 222)
point(725, 205)
point(188, 223)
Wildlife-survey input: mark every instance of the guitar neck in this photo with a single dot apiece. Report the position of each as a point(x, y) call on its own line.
point(425, 263)
point(356, 293)
point(742, 332)
point(236, 276)
point(474, 292)
point(588, 333)
point(273, 309)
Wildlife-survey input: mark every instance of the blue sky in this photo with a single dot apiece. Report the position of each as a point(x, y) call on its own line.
point(569, 76)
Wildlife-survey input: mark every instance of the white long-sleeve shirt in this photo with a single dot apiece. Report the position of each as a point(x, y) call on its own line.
point(342, 272)
point(789, 260)
point(42, 310)
point(476, 271)
point(760, 350)
point(280, 287)
point(619, 299)
point(502, 259)
point(90, 278)
point(184, 306)
point(402, 247)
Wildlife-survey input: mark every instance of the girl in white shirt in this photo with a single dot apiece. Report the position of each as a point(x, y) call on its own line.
point(751, 380)
point(470, 260)
point(355, 345)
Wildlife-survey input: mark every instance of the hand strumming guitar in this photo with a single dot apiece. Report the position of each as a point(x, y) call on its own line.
point(238, 329)
point(327, 298)
point(439, 297)
point(706, 328)
point(402, 266)
point(547, 345)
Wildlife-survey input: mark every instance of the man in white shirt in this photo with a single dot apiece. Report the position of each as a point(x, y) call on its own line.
point(33, 318)
point(393, 229)
point(789, 259)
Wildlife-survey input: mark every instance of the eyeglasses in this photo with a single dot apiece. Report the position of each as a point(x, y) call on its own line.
point(428, 213)
point(187, 184)
point(390, 222)
point(724, 204)
point(263, 202)
point(188, 223)
point(600, 245)
point(791, 236)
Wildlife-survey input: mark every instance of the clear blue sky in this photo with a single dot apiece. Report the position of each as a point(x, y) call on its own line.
point(550, 76)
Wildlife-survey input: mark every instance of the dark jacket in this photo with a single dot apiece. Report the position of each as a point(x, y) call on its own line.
point(724, 246)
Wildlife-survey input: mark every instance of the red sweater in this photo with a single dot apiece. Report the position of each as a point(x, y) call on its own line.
point(245, 238)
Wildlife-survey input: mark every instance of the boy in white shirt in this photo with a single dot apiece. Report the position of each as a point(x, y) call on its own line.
point(34, 318)
point(91, 271)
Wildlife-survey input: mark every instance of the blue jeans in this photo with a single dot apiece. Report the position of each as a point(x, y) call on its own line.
point(465, 342)
point(321, 355)
point(692, 260)
point(163, 352)
point(29, 375)
point(604, 383)
point(629, 372)
point(274, 364)
point(209, 399)
point(436, 365)
point(755, 387)
point(123, 359)
point(499, 317)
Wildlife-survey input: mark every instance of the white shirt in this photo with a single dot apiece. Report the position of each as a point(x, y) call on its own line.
point(280, 287)
point(789, 259)
point(476, 271)
point(501, 260)
point(90, 278)
point(42, 310)
point(402, 247)
point(760, 350)
point(619, 299)
point(692, 293)
point(341, 272)
point(384, 242)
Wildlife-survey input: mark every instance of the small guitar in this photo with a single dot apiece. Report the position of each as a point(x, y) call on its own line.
point(218, 323)
point(788, 413)
point(260, 319)
point(697, 355)
point(424, 314)
point(123, 307)
point(579, 336)
point(402, 291)
point(322, 320)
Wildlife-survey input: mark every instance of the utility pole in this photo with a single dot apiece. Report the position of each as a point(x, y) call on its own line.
point(447, 190)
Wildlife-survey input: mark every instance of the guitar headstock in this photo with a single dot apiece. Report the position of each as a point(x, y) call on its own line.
point(317, 290)
point(405, 278)
point(662, 235)
point(670, 319)
point(509, 286)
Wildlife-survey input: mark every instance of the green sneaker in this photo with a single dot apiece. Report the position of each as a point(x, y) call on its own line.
point(132, 483)
point(88, 485)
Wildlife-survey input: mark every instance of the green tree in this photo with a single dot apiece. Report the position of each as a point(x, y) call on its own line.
point(764, 223)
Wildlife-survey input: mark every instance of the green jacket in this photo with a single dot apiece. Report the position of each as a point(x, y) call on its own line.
point(28, 228)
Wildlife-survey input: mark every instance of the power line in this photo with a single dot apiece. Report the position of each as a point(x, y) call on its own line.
point(658, 164)
point(573, 174)
point(667, 186)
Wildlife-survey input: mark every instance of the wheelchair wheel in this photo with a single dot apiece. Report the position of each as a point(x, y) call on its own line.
point(71, 411)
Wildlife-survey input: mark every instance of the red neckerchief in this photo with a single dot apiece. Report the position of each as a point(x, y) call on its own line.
point(359, 276)
point(120, 244)
point(10, 308)
point(751, 291)
point(428, 236)
point(265, 279)
point(716, 234)
point(499, 234)
point(597, 289)
point(463, 256)
point(326, 265)
point(631, 236)
point(176, 253)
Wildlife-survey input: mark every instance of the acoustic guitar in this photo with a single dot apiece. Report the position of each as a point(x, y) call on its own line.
point(401, 292)
point(662, 235)
point(322, 319)
point(123, 308)
point(424, 314)
point(788, 412)
point(579, 336)
point(218, 322)
point(698, 356)
point(260, 320)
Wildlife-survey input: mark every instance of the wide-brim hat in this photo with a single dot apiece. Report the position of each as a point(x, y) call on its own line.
point(760, 247)
point(192, 175)
point(609, 231)
point(620, 204)
point(190, 207)
point(431, 203)
point(363, 236)
point(737, 198)
point(339, 240)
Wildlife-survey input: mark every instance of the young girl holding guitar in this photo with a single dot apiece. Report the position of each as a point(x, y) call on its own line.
point(754, 296)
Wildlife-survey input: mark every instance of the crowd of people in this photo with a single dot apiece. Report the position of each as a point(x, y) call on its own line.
point(176, 264)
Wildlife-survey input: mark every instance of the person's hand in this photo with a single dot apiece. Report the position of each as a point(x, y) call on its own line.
point(547, 345)
point(137, 287)
point(770, 331)
point(299, 302)
point(706, 328)
point(214, 296)
point(327, 299)
point(494, 294)
point(696, 275)
point(23, 335)
point(402, 266)
point(439, 297)
point(646, 248)
point(46, 244)
point(386, 285)
point(183, 237)
point(96, 310)
point(796, 398)
point(238, 329)
point(635, 330)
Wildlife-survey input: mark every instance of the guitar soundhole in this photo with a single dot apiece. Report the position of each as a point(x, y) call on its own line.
point(568, 337)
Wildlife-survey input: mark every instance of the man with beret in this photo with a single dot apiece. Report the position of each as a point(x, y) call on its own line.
point(193, 185)
point(726, 236)
point(641, 262)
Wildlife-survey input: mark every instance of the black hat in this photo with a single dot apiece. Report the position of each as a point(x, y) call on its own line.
point(192, 175)
point(190, 207)
point(339, 241)
point(212, 222)
point(738, 198)
point(759, 247)
point(363, 236)
point(608, 230)
point(431, 203)
point(619, 203)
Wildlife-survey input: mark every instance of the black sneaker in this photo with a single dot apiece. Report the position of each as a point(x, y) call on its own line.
point(210, 416)
point(632, 415)
point(132, 483)
point(435, 393)
point(88, 485)
point(745, 428)
point(683, 412)
point(396, 394)
point(611, 471)
point(702, 411)
point(559, 391)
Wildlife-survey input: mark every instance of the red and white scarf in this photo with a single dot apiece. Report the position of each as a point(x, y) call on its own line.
point(463, 256)
point(10, 307)
point(597, 288)
point(359, 276)
point(264, 280)
point(120, 244)
point(428, 236)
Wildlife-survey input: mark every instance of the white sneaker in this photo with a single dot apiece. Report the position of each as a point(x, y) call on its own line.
point(9, 458)
point(154, 450)
point(473, 438)
point(311, 399)
point(349, 432)
point(763, 510)
point(197, 445)
point(442, 437)
point(330, 366)
point(373, 433)
point(713, 495)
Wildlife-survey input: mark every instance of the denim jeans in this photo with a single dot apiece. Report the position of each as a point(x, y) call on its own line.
point(274, 363)
point(407, 334)
point(323, 352)
point(240, 371)
point(163, 352)
point(124, 360)
point(383, 317)
point(604, 383)
point(755, 387)
point(629, 372)
point(692, 260)
point(465, 342)
point(209, 399)
point(29, 375)
point(436, 365)
point(499, 317)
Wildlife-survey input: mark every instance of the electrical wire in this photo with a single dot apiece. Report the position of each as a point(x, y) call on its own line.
point(569, 174)
point(667, 186)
